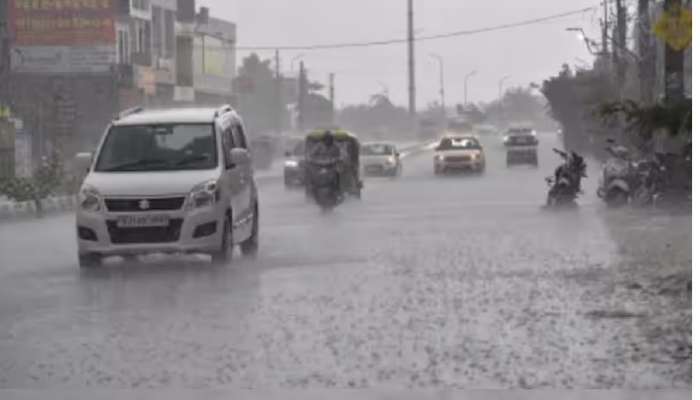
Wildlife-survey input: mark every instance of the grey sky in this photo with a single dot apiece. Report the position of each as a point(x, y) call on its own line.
point(527, 54)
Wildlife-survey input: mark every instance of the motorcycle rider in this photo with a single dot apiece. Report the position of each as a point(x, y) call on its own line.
point(327, 152)
point(574, 166)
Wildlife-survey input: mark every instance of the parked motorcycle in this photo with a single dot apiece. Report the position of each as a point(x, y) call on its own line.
point(323, 184)
point(650, 180)
point(565, 185)
point(619, 179)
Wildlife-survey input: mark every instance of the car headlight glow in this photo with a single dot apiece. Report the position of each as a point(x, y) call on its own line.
point(439, 157)
point(291, 163)
point(203, 195)
point(90, 199)
point(390, 161)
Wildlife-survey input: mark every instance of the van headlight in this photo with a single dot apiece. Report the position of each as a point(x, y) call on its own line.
point(89, 199)
point(390, 161)
point(291, 163)
point(205, 194)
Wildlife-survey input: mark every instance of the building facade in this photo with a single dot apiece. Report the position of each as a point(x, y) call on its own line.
point(66, 68)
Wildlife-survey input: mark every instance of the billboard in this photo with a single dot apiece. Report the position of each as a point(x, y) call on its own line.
point(62, 22)
point(62, 36)
point(62, 59)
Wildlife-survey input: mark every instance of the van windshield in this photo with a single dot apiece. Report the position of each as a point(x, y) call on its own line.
point(161, 147)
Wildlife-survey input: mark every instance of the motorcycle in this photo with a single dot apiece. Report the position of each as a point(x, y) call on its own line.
point(650, 181)
point(620, 179)
point(565, 185)
point(323, 184)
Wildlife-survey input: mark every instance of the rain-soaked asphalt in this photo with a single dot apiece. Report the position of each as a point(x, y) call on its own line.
point(459, 282)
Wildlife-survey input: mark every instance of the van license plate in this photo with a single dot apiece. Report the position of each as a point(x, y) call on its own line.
point(142, 221)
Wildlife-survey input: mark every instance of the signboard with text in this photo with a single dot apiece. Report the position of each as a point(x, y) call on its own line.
point(62, 22)
point(62, 59)
point(62, 36)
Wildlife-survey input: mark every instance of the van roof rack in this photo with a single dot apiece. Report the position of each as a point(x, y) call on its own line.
point(226, 108)
point(129, 111)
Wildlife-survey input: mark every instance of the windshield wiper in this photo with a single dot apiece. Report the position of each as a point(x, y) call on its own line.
point(136, 164)
point(191, 159)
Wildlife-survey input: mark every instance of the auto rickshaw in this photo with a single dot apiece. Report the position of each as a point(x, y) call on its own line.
point(349, 145)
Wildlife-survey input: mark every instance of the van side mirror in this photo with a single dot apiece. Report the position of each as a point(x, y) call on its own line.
point(238, 157)
point(83, 161)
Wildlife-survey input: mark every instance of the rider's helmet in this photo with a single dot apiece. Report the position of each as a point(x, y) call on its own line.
point(327, 138)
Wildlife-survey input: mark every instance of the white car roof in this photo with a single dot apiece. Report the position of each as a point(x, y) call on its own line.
point(458, 136)
point(171, 116)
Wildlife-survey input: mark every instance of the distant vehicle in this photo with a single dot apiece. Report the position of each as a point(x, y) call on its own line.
point(169, 181)
point(380, 158)
point(294, 173)
point(459, 152)
point(521, 145)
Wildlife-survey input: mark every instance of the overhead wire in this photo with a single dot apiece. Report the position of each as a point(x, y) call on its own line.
point(387, 42)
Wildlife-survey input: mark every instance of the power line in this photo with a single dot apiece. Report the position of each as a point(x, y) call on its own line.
point(422, 38)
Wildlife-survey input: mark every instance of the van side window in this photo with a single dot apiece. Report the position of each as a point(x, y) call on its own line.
point(228, 141)
point(239, 138)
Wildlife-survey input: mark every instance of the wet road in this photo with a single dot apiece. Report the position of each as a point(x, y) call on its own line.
point(427, 282)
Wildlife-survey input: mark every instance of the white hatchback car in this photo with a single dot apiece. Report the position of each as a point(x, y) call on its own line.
point(169, 181)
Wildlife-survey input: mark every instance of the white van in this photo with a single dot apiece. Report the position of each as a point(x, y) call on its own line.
point(169, 181)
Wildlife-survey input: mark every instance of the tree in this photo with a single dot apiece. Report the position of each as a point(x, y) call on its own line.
point(573, 98)
point(258, 95)
point(377, 117)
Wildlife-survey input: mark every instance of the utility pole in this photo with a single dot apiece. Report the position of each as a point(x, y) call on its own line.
point(331, 89)
point(620, 42)
point(466, 87)
point(278, 94)
point(302, 96)
point(442, 87)
point(674, 63)
point(411, 64)
point(500, 97)
point(606, 24)
point(647, 65)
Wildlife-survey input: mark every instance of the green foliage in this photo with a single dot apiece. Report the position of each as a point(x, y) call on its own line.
point(572, 100)
point(47, 178)
point(378, 115)
point(676, 118)
point(258, 96)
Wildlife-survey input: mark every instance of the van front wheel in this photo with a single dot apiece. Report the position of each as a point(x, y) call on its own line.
point(225, 253)
point(250, 246)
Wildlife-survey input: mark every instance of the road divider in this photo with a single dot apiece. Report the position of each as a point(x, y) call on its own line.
point(28, 209)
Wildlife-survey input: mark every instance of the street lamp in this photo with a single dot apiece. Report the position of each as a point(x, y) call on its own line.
point(500, 86)
point(294, 60)
point(442, 83)
point(500, 95)
point(582, 36)
point(466, 86)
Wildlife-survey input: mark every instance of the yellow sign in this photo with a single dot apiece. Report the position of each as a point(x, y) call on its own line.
point(675, 27)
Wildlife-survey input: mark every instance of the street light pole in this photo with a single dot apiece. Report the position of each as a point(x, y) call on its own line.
point(442, 84)
point(500, 96)
point(294, 60)
point(466, 86)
